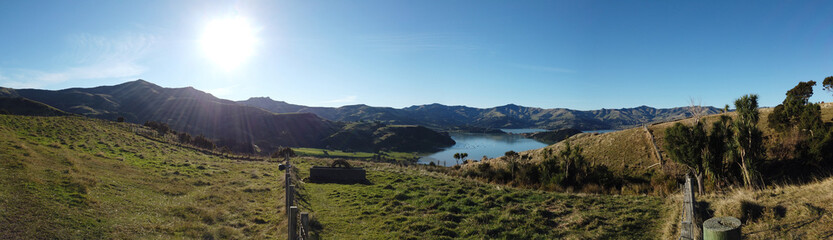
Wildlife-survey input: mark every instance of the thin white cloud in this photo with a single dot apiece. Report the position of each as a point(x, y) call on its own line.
point(89, 57)
point(545, 68)
point(347, 99)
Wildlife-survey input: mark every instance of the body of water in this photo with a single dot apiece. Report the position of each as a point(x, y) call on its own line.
point(478, 145)
point(522, 130)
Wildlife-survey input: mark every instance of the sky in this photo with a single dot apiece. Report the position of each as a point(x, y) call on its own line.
point(551, 54)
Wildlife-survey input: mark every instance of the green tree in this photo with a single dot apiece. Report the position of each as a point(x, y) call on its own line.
point(796, 109)
point(283, 152)
point(796, 118)
point(512, 160)
point(686, 145)
point(184, 138)
point(460, 156)
point(828, 83)
point(748, 139)
point(573, 160)
point(550, 170)
point(717, 150)
point(203, 142)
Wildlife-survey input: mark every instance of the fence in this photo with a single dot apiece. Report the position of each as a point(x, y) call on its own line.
point(297, 226)
point(688, 227)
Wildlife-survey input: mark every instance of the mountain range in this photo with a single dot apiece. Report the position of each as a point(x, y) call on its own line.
point(444, 117)
point(240, 127)
point(262, 123)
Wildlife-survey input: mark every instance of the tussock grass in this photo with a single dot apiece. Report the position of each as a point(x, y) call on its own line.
point(779, 212)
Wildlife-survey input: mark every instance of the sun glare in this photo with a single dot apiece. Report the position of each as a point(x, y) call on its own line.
point(229, 42)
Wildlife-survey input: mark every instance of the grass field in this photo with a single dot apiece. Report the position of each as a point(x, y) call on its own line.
point(413, 203)
point(323, 153)
point(79, 178)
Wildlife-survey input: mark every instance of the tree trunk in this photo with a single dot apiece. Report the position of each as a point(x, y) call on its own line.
point(743, 168)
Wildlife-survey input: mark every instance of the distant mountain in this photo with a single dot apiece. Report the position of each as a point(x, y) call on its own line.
point(372, 137)
point(509, 116)
point(186, 109)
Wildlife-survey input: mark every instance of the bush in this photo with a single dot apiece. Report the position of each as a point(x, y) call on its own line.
point(162, 128)
point(184, 138)
point(203, 142)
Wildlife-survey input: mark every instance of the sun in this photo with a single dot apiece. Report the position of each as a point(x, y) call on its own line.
point(229, 42)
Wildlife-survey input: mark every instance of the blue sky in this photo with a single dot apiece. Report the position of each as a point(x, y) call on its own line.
point(573, 54)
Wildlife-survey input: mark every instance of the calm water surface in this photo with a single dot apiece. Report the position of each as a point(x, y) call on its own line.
point(522, 130)
point(478, 145)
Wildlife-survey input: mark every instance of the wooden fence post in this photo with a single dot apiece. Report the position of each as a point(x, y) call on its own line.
point(290, 197)
point(688, 224)
point(293, 223)
point(722, 228)
point(304, 225)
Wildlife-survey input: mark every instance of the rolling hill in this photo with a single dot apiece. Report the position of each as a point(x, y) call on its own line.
point(240, 127)
point(630, 154)
point(26, 107)
point(71, 177)
point(509, 116)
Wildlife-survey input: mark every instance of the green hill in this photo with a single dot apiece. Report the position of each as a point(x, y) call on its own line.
point(551, 137)
point(373, 137)
point(629, 154)
point(80, 178)
point(26, 107)
point(239, 127)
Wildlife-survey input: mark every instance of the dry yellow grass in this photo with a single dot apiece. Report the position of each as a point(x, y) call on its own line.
point(629, 152)
point(778, 212)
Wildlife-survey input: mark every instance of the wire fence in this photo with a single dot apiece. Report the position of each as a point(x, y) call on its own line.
point(297, 223)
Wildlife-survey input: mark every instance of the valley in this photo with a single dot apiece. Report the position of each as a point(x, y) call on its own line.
point(417, 120)
point(80, 178)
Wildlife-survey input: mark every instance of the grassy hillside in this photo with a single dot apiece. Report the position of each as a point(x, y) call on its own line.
point(373, 137)
point(189, 110)
point(629, 153)
point(78, 178)
point(402, 157)
point(23, 106)
point(778, 212)
point(413, 203)
point(552, 137)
